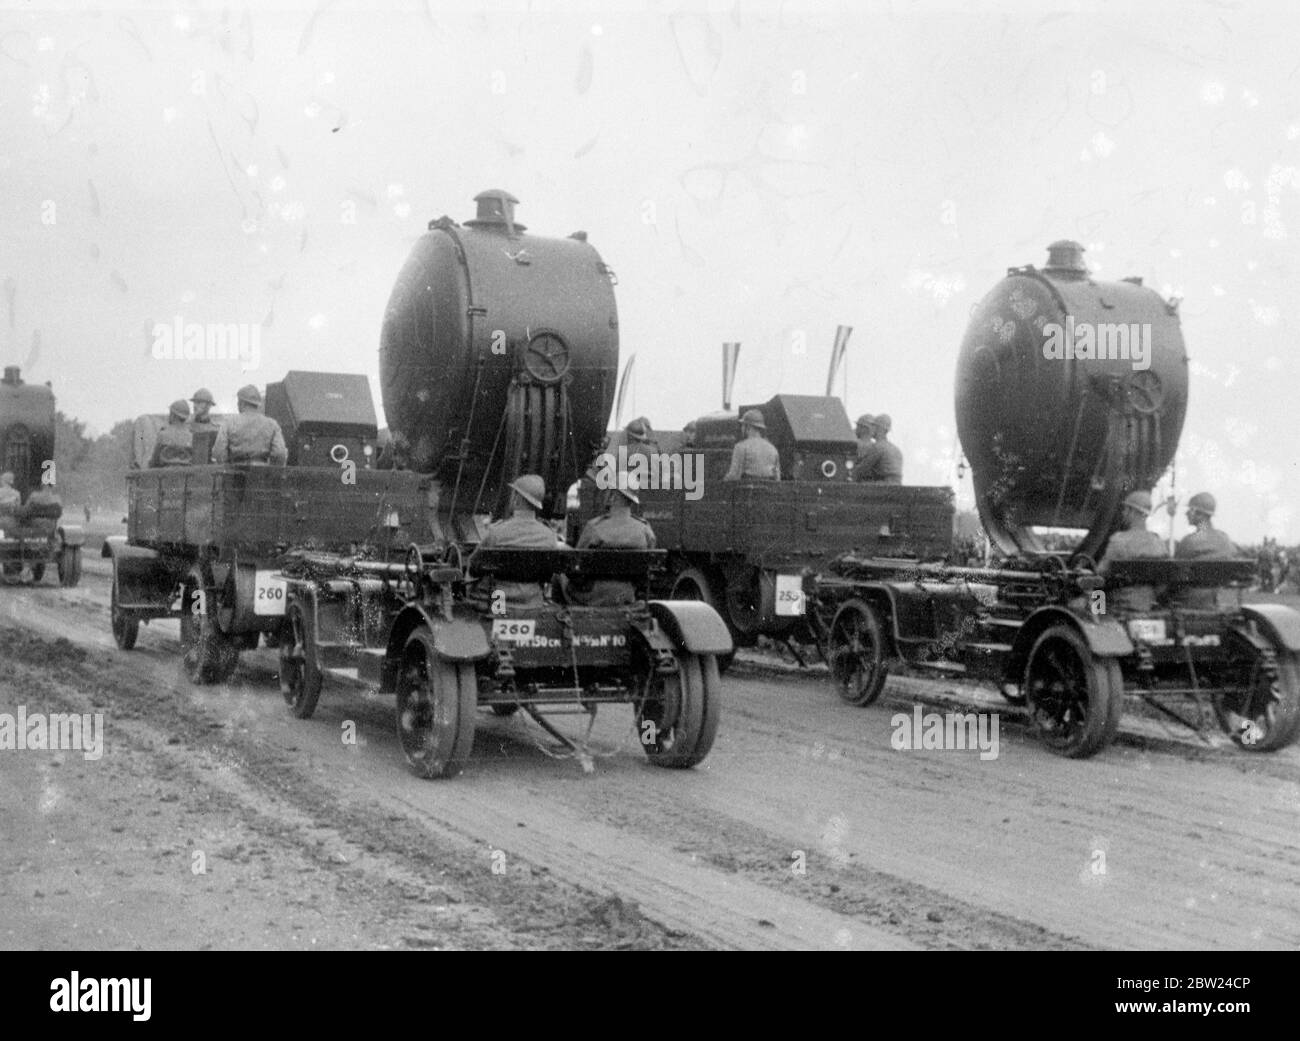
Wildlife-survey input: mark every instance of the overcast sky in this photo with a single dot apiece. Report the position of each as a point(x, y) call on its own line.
point(752, 171)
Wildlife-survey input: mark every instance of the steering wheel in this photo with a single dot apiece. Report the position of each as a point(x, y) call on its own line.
point(1083, 560)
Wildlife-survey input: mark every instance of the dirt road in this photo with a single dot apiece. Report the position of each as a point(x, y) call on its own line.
point(803, 829)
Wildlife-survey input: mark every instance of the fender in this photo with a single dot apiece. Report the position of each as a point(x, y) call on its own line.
point(463, 639)
point(74, 535)
point(1105, 637)
point(693, 625)
point(1280, 623)
point(146, 581)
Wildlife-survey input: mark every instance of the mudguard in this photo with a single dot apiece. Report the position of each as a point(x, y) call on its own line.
point(74, 535)
point(694, 625)
point(145, 580)
point(1279, 622)
point(462, 639)
point(1105, 637)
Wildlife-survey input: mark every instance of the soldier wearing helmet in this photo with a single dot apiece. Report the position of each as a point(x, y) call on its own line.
point(754, 455)
point(1206, 540)
point(880, 460)
point(616, 528)
point(521, 530)
point(203, 429)
point(250, 437)
point(1133, 542)
point(203, 403)
point(175, 443)
point(640, 437)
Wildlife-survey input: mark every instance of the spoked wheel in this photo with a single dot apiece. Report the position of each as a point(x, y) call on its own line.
point(300, 676)
point(69, 565)
point(436, 700)
point(1265, 715)
point(678, 718)
point(694, 584)
point(1075, 699)
point(857, 652)
point(210, 655)
point(126, 625)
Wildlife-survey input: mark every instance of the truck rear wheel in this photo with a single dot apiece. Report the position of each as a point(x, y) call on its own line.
point(210, 655)
point(436, 702)
point(300, 676)
point(857, 652)
point(1265, 716)
point(1075, 699)
point(126, 626)
point(678, 718)
point(693, 584)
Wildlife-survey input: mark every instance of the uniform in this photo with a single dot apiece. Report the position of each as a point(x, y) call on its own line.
point(43, 510)
point(250, 437)
point(880, 462)
point(203, 436)
point(174, 447)
point(10, 498)
point(617, 529)
point(754, 457)
point(517, 532)
point(1133, 544)
point(1208, 543)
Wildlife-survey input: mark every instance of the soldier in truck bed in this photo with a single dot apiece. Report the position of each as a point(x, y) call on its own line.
point(250, 437)
point(175, 444)
point(754, 455)
point(879, 461)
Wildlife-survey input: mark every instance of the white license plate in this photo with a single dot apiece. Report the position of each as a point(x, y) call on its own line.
point(1148, 630)
point(512, 630)
point(789, 595)
point(269, 593)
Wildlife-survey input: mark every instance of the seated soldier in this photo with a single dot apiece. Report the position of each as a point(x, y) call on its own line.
point(521, 530)
point(1133, 542)
point(1206, 541)
point(175, 444)
point(617, 528)
point(10, 500)
point(42, 510)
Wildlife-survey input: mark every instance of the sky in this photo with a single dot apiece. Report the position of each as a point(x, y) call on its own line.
point(753, 172)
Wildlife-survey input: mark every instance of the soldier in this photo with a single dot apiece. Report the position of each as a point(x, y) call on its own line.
point(640, 437)
point(689, 432)
point(1206, 540)
point(202, 428)
point(43, 509)
point(521, 530)
point(754, 455)
point(175, 444)
point(1133, 542)
point(10, 497)
point(881, 462)
point(616, 528)
point(250, 437)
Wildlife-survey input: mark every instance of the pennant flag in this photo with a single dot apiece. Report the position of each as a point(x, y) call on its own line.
point(730, 354)
point(837, 354)
point(622, 390)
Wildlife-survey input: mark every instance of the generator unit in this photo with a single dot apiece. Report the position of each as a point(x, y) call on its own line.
point(327, 418)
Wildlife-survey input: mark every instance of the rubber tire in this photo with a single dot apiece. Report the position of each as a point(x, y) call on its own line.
point(209, 655)
point(1285, 727)
point(1104, 695)
point(685, 718)
point(126, 626)
point(877, 669)
point(436, 731)
point(300, 677)
point(693, 584)
point(69, 565)
point(38, 572)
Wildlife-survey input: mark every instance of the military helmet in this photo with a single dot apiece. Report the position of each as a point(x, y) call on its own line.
point(180, 409)
point(203, 394)
point(250, 394)
point(1139, 501)
point(883, 423)
point(1202, 502)
point(866, 420)
point(530, 488)
point(639, 428)
point(753, 418)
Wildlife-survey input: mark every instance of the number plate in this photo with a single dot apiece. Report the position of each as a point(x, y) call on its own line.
point(511, 630)
point(269, 593)
point(789, 595)
point(1148, 630)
